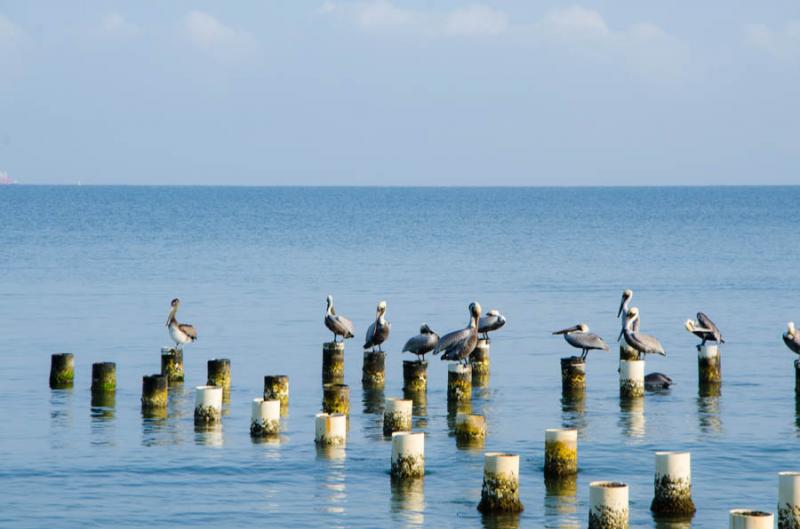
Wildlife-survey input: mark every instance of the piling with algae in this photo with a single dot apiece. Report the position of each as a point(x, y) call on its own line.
point(332, 362)
point(560, 452)
point(709, 364)
point(219, 373)
point(608, 505)
point(500, 489)
point(573, 374)
point(276, 387)
point(459, 382)
point(408, 455)
point(470, 427)
point(265, 418)
point(208, 405)
point(415, 376)
point(104, 377)
point(62, 370)
point(373, 370)
point(479, 359)
point(397, 416)
point(673, 484)
point(336, 398)
point(172, 365)
point(154, 392)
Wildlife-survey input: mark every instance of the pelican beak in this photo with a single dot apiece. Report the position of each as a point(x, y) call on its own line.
point(621, 304)
point(568, 330)
point(620, 334)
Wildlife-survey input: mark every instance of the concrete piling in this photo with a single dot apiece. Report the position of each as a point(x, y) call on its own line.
point(459, 382)
point(788, 500)
point(154, 392)
point(336, 398)
point(330, 429)
point(333, 362)
point(265, 418)
point(172, 365)
point(573, 375)
point(207, 405)
point(62, 370)
point(500, 489)
point(608, 505)
point(631, 378)
point(104, 377)
point(373, 369)
point(673, 484)
point(750, 519)
point(709, 364)
point(396, 416)
point(408, 455)
point(276, 387)
point(560, 452)
point(415, 376)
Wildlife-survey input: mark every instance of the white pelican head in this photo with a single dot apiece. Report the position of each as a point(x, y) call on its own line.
point(790, 332)
point(381, 308)
point(474, 312)
point(689, 325)
point(627, 294)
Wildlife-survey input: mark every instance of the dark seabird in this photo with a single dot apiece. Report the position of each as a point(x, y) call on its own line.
point(338, 325)
point(182, 333)
point(657, 381)
point(457, 345)
point(791, 338)
point(704, 329)
point(640, 342)
point(490, 323)
point(423, 343)
point(579, 337)
point(378, 331)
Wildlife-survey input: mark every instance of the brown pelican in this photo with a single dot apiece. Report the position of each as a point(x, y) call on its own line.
point(792, 338)
point(627, 295)
point(704, 329)
point(578, 336)
point(378, 331)
point(457, 345)
point(180, 332)
point(423, 343)
point(490, 323)
point(657, 381)
point(338, 325)
point(642, 343)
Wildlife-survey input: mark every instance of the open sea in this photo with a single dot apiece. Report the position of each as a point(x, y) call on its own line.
point(91, 270)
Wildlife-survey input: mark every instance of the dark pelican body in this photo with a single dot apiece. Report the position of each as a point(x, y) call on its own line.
point(378, 331)
point(657, 381)
point(640, 342)
point(490, 323)
point(182, 333)
point(457, 345)
point(791, 338)
point(579, 337)
point(338, 325)
point(704, 329)
point(423, 343)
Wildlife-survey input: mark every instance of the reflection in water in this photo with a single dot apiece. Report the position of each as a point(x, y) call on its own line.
point(60, 416)
point(708, 414)
point(480, 383)
point(573, 411)
point(153, 424)
point(673, 523)
point(797, 412)
point(631, 418)
point(102, 413)
point(373, 400)
point(331, 495)
point(208, 434)
point(561, 502)
point(419, 408)
point(407, 502)
point(453, 409)
point(508, 520)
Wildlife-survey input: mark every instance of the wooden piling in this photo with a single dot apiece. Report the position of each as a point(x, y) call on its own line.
point(154, 392)
point(172, 365)
point(333, 362)
point(276, 387)
point(104, 377)
point(336, 398)
point(219, 373)
point(459, 382)
point(373, 370)
point(62, 370)
point(479, 360)
point(573, 374)
point(709, 364)
point(415, 376)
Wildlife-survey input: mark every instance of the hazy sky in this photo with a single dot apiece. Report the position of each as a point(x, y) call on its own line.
point(402, 92)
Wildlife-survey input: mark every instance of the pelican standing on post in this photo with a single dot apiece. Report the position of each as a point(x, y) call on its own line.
point(181, 333)
point(490, 323)
point(338, 325)
point(704, 329)
point(423, 343)
point(457, 345)
point(378, 331)
point(578, 336)
point(640, 342)
point(792, 338)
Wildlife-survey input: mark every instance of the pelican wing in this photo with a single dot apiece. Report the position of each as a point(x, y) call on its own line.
point(421, 344)
point(793, 343)
point(188, 330)
point(369, 341)
point(340, 325)
point(706, 322)
point(585, 340)
point(490, 323)
point(646, 344)
point(377, 333)
point(457, 344)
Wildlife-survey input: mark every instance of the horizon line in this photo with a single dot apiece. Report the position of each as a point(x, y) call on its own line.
point(399, 186)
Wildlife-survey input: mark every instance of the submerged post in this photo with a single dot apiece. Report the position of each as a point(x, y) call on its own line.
point(276, 387)
point(673, 484)
point(608, 505)
point(500, 489)
point(332, 362)
point(573, 374)
point(330, 429)
point(172, 364)
point(408, 455)
point(709, 364)
point(750, 519)
point(62, 370)
point(560, 452)
point(415, 376)
point(396, 416)
point(265, 418)
point(788, 500)
point(154, 392)
point(479, 359)
point(631, 378)
point(104, 377)
point(373, 369)
point(336, 398)
point(470, 427)
point(459, 382)
point(219, 373)
point(207, 405)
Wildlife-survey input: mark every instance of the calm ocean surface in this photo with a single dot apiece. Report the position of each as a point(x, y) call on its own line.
point(91, 270)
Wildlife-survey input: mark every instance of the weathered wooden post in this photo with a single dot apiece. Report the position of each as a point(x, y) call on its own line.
point(560, 452)
point(396, 416)
point(608, 505)
point(265, 418)
point(573, 375)
point(333, 362)
point(415, 376)
point(500, 490)
point(219, 374)
point(330, 429)
point(470, 428)
point(276, 387)
point(154, 393)
point(673, 484)
point(408, 455)
point(750, 519)
point(709, 364)
point(172, 364)
point(336, 398)
point(788, 500)
point(373, 369)
point(479, 360)
point(104, 377)
point(62, 370)
point(459, 382)
point(207, 405)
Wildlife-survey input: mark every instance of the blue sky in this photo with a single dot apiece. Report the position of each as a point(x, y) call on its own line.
point(400, 93)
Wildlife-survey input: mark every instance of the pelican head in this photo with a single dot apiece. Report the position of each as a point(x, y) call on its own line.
point(173, 309)
point(475, 312)
point(790, 332)
point(381, 308)
point(580, 327)
point(424, 329)
point(689, 325)
point(626, 296)
point(493, 312)
point(632, 315)
point(175, 302)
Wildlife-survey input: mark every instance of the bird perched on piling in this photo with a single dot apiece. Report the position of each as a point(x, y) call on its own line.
point(338, 325)
point(624, 303)
point(378, 331)
point(640, 342)
point(792, 338)
point(181, 333)
point(423, 343)
point(457, 345)
point(579, 337)
point(490, 323)
point(704, 329)
point(657, 381)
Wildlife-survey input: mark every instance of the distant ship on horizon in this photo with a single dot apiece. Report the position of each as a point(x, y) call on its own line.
point(5, 179)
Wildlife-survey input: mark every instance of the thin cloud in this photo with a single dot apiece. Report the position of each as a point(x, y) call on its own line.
point(10, 33)
point(211, 35)
point(116, 25)
point(782, 43)
point(475, 20)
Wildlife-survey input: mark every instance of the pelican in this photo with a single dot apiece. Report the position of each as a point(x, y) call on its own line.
point(423, 343)
point(338, 325)
point(490, 323)
point(704, 329)
point(578, 336)
point(182, 333)
point(657, 381)
point(457, 345)
point(792, 338)
point(378, 331)
point(627, 295)
point(640, 342)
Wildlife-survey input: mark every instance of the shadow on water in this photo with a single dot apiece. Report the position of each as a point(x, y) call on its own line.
point(407, 503)
point(573, 411)
point(561, 501)
point(500, 520)
point(708, 410)
point(631, 419)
